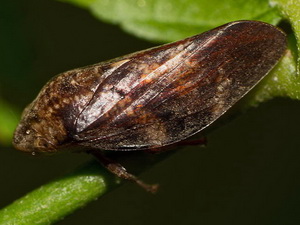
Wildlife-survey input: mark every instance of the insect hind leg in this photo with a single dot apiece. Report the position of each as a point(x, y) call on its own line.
point(121, 172)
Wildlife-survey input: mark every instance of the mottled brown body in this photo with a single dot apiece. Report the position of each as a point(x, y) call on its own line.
point(154, 97)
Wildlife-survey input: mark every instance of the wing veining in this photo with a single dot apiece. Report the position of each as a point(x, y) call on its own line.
point(183, 92)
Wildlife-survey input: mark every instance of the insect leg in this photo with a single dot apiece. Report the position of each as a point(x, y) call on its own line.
point(121, 172)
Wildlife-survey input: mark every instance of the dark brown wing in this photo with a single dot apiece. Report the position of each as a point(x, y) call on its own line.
point(166, 94)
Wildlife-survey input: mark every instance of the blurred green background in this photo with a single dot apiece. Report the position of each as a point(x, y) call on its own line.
point(248, 174)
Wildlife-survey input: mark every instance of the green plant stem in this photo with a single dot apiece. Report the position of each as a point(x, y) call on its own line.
point(55, 200)
point(59, 198)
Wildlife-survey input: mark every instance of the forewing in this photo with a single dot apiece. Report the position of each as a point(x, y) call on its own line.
point(166, 94)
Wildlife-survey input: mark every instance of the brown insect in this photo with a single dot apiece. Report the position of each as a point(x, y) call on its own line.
point(151, 98)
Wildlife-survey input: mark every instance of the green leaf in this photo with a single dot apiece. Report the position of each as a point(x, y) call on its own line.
point(169, 20)
point(290, 9)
